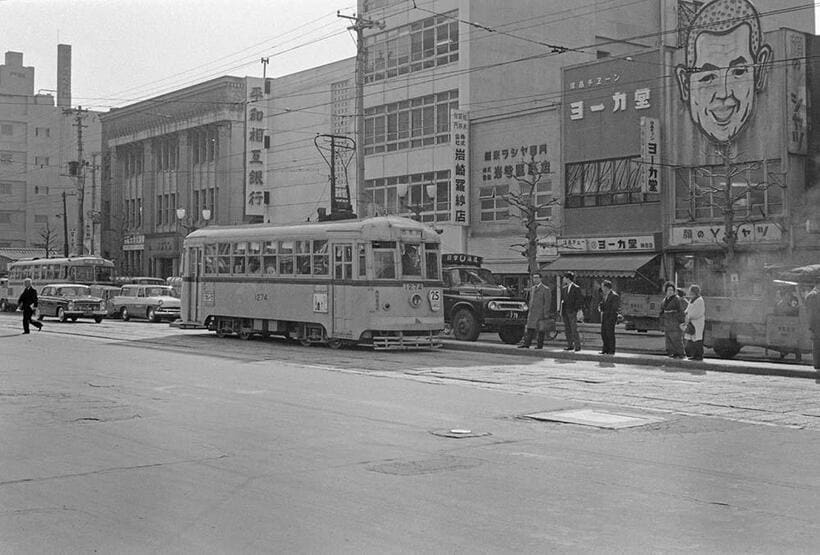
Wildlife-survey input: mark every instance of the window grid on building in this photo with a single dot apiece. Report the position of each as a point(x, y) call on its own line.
point(204, 145)
point(423, 44)
point(167, 154)
point(6, 188)
point(422, 195)
point(758, 191)
point(605, 182)
point(41, 161)
point(413, 123)
point(43, 132)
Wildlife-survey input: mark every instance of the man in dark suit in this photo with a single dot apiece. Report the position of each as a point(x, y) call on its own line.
point(610, 308)
point(572, 300)
point(539, 311)
point(27, 303)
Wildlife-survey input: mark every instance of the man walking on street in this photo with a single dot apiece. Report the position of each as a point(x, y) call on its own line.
point(27, 303)
point(813, 310)
point(610, 308)
point(539, 310)
point(571, 302)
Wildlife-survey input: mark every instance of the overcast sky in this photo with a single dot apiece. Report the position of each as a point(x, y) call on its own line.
point(127, 50)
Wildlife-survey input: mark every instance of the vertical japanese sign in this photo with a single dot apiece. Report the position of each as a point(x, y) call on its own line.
point(796, 120)
point(650, 155)
point(256, 158)
point(459, 188)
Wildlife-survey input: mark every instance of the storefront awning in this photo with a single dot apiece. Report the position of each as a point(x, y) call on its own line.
point(591, 265)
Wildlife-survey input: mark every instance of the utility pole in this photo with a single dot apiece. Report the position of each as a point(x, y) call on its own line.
point(359, 25)
point(65, 228)
point(265, 61)
point(80, 169)
point(93, 213)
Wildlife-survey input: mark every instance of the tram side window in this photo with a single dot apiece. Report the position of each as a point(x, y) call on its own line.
point(210, 259)
point(238, 257)
point(384, 259)
point(320, 258)
point(302, 249)
point(431, 257)
point(362, 259)
point(343, 261)
point(269, 257)
point(223, 260)
point(285, 257)
point(254, 250)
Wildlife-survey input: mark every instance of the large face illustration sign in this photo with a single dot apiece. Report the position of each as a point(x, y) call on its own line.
point(726, 65)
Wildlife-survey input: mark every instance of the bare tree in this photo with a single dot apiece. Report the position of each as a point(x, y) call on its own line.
point(530, 211)
point(727, 189)
point(49, 239)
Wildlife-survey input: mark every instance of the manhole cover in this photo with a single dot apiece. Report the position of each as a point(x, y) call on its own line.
point(596, 418)
point(459, 433)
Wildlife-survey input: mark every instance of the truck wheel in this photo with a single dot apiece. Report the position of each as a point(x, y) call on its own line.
point(465, 325)
point(511, 334)
point(726, 348)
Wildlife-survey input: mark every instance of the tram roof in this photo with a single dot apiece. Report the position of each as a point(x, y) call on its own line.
point(375, 225)
point(81, 260)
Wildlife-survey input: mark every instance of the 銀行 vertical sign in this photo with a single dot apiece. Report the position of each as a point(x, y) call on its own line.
point(650, 155)
point(255, 154)
point(459, 188)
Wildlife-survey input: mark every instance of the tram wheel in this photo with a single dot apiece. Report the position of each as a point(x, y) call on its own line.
point(245, 334)
point(305, 342)
point(335, 343)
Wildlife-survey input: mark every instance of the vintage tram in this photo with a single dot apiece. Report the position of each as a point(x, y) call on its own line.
point(373, 282)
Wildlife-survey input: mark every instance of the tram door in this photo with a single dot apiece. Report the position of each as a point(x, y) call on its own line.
point(195, 272)
point(342, 290)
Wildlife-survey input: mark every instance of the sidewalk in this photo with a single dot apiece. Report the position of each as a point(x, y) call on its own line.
point(655, 359)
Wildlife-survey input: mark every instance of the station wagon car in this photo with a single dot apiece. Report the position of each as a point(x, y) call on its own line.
point(153, 302)
point(69, 301)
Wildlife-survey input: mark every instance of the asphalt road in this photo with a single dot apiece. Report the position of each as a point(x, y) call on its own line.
point(134, 438)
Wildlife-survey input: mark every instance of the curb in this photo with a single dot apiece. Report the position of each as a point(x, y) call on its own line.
point(643, 359)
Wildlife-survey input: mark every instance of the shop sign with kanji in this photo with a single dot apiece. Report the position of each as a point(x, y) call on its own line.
point(759, 232)
point(256, 159)
point(459, 188)
point(650, 155)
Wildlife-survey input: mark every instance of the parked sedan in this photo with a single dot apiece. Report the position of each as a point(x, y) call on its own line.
point(153, 302)
point(69, 302)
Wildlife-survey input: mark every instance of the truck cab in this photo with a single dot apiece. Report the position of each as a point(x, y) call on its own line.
point(475, 301)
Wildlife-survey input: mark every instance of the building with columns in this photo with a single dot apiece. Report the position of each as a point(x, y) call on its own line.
point(171, 164)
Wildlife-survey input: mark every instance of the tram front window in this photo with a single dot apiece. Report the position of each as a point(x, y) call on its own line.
point(411, 261)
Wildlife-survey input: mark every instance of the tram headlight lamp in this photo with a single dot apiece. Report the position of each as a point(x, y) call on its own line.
point(415, 300)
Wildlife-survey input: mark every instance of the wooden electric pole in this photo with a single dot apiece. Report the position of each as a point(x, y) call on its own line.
point(359, 25)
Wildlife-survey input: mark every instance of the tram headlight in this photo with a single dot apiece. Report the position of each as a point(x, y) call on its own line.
point(415, 300)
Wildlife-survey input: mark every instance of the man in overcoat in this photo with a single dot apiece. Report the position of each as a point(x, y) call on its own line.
point(572, 300)
point(27, 303)
point(539, 310)
point(610, 307)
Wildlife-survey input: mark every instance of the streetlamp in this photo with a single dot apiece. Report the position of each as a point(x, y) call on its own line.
point(182, 218)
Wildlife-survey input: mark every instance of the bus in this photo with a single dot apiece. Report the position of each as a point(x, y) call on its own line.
point(85, 270)
point(374, 282)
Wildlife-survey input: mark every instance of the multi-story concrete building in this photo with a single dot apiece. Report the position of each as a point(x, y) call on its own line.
point(649, 139)
point(38, 139)
point(173, 163)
